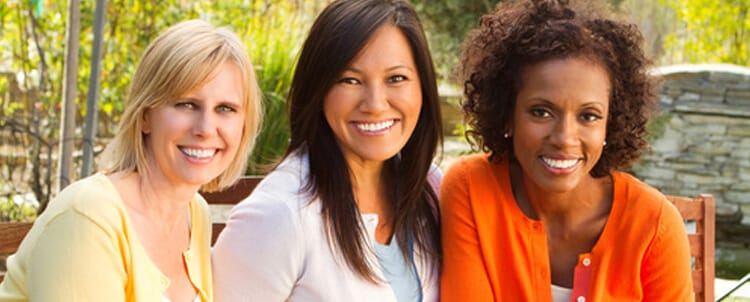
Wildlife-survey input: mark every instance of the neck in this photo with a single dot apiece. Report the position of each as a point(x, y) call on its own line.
point(368, 186)
point(591, 196)
point(157, 200)
point(371, 194)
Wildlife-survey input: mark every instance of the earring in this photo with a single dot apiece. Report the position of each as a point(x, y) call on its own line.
point(506, 135)
point(604, 143)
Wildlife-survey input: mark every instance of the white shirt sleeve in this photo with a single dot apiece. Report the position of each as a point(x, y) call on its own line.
point(259, 256)
point(434, 177)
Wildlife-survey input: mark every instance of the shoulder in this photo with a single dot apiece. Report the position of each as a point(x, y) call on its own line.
point(636, 193)
point(643, 202)
point(475, 169)
point(94, 198)
point(270, 216)
point(470, 163)
point(282, 192)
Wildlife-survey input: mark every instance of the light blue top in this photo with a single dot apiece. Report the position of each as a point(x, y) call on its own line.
point(399, 273)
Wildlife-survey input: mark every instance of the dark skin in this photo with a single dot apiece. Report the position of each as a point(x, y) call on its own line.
point(559, 133)
point(567, 235)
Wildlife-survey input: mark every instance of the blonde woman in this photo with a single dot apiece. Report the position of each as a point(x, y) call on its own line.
point(139, 230)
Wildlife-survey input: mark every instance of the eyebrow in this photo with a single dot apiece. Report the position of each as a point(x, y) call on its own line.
point(551, 104)
point(353, 69)
point(191, 98)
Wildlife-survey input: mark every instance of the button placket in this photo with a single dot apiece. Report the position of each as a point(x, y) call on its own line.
point(582, 277)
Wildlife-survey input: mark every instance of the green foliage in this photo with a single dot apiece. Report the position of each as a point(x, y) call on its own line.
point(273, 34)
point(13, 212)
point(710, 31)
point(446, 23)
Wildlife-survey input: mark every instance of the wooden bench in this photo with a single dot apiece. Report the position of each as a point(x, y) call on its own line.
point(11, 235)
point(700, 210)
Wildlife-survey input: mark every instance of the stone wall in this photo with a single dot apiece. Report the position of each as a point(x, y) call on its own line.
point(701, 142)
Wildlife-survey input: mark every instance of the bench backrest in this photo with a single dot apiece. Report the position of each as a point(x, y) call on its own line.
point(700, 211)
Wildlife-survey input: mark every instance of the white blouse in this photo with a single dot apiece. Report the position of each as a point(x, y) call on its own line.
point(274, 248)
point(561, 294)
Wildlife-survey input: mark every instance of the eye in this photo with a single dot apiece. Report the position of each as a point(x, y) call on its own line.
point(397, 78)
point(349, 80)
point(540, 112)
point(186, 105)
point(590, 117)
point(225, 108)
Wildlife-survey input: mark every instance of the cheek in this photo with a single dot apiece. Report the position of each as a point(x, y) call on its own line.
point(335, 106)
point(234, 128)
point(410, 102)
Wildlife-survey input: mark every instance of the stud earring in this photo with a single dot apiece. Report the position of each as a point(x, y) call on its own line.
point(604, 143)
point(506, 135)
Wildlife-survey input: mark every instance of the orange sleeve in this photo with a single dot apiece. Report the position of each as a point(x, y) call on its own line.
point(464, 277)
point(665, 273)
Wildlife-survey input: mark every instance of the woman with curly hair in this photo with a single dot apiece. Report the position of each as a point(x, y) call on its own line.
point(558, 96)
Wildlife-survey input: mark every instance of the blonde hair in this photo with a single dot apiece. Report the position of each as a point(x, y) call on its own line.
point(180, 59)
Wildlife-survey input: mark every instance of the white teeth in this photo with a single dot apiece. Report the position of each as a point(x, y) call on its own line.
point(199, 153)
point(559, 163)
point(375, 126)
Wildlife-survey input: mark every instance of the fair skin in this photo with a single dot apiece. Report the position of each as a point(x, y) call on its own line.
point(188, 142)
point(559, 128)
point(373, 109)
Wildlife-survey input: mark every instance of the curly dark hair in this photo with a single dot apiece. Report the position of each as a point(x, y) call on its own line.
point(521, 33)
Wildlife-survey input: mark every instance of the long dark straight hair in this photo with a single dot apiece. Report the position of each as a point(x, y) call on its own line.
point(336, 37)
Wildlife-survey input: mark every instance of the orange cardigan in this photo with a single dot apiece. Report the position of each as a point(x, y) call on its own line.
point(492, 251)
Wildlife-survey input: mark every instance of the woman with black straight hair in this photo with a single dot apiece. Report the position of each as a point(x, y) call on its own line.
point(350, 213)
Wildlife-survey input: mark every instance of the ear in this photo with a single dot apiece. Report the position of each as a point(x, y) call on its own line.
point(146, 122)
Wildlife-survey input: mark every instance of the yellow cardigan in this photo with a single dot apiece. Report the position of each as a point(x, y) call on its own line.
point(84, 248)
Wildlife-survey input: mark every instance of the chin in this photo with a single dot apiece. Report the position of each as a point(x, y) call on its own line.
point(377, 155)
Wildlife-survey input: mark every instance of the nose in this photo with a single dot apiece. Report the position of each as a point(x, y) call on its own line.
point(205, 123)
point(375, 99)
point(565, 132)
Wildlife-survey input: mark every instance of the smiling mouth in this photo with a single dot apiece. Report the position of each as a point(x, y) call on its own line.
point(198, 153)
point(560, 163)
point(375, 127)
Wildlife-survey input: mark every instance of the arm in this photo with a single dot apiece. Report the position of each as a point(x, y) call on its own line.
point(259, 255)
point(76, 259)
point(464, 277)
point(666, 274)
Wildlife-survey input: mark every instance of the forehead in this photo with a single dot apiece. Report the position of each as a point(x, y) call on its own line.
point(387, 45)
point(576, 79)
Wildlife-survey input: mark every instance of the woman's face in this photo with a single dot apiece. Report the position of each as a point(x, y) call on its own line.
point(374, 105)
point(193, 139)
point(560, 122)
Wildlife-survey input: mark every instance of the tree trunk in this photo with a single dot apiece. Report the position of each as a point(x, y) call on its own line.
point(93, 93)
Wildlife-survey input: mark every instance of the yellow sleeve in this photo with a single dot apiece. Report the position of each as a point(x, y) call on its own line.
point(76, 259)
